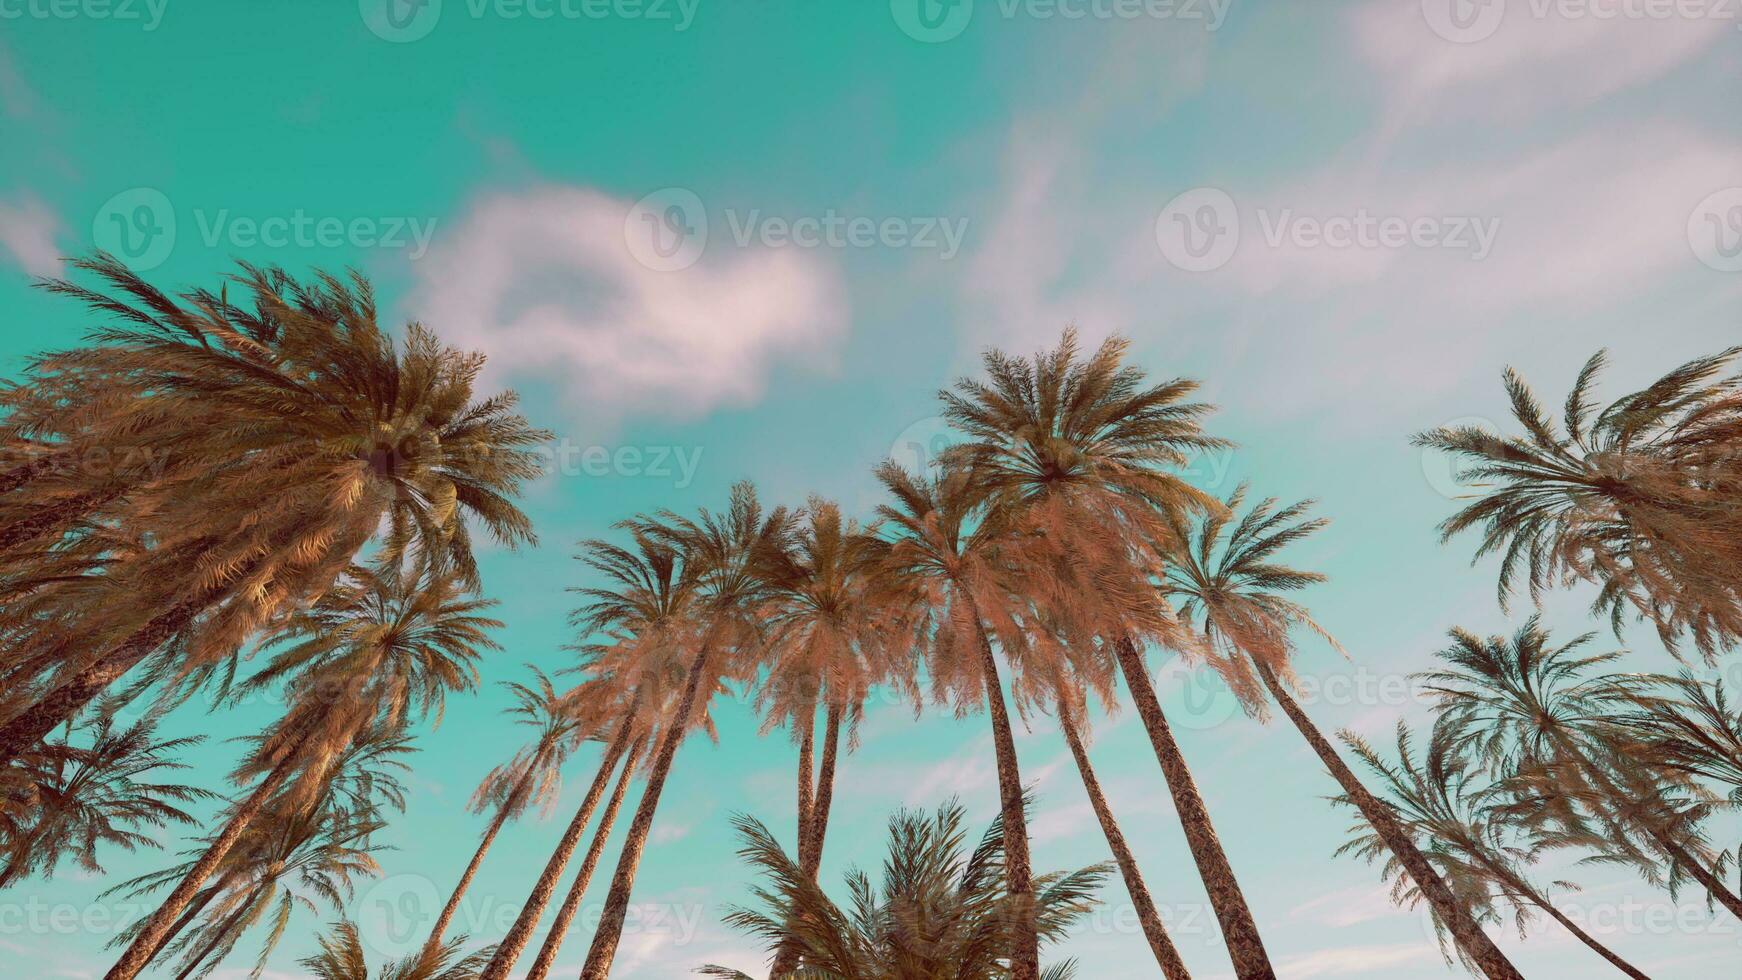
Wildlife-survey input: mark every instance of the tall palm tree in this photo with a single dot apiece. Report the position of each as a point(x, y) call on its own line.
point(341, 958)
point(834, 626)
point(939, 912)
point(722, 555)
point(1226, 576)
point(1694, 729)
point(1440, 803)
point(376, 650)
point(94, 789)
point(531, 778)
point(266, 446)
point(951, 550)
point(1083, 449)
point(1525, 706)
point(1637, 498)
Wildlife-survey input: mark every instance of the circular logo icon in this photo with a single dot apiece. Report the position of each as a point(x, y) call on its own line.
point(919, 446)
point(400, 21)
point(1442, 469)
point(932, 21)
point(395, 914)
point(137, 227)
point(1194, 696)
point(667, 230)
point(1464, 21)
point(1715, 230)
point(1199, 230)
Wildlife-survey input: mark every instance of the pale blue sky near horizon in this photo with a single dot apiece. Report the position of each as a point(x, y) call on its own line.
point(711, 242)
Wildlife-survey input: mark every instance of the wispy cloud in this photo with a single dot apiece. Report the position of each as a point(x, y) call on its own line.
point(27, 233)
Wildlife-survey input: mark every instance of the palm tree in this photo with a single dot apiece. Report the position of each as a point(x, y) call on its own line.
point(722, 555)
point(376, 650)
point(835, 630)
point(341, 958)
point(1225, 575)
point(95, 791)
point(531, 778)
point(1637, 498)
point(951, 551)
point(1439, 802)
point(1082, 450)
point(940, 912)
point(263, 447)
point(1693, 730)
point(1526, 707)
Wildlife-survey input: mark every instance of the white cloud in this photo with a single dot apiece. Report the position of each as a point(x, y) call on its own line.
point(27, 232)
point(543, 281)
point(1356, 960)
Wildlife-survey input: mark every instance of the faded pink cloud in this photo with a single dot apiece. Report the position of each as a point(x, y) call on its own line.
point(27, 233)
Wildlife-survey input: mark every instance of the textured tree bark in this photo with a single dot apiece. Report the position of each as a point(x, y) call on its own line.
point(559, 926)
point(1469, 936)
point(27, 729)
point(212, 943)
point(610, 931)
point(812, 831)
point(1025, 956)
point(146, 942)
point(1239, 931)
point(806, 778)
point(520, 933)
point(453, 905)
point(194, 908)
point(1166, 954)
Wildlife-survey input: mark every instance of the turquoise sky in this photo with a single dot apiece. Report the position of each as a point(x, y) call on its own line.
point(712, 241)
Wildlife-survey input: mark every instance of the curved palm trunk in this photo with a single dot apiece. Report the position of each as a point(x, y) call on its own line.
point(1601, 950)
point(520, 933)
point(559, 927)
point(194, 908)
point(806, 777)
point(1239, 930)
point(813, 829)
point(29, 727)
point(610, 931)
point(1025, 957)
point(145, 944)
point(1469, 936)
point(447, 915)
point(216, 940)
point(1166, 954)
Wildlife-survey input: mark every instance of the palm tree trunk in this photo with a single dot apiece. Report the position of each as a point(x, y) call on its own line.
point(1025, 956)
point(1702, 874)
point(1239, 931)
point(27, 729)
point(1543, 903)
point(806, 776)
point(448, 910)
point(520, 933)
point(812, 830)
point(144, 945)
point(194, 908)
point(559, 927)
point(213, 942)
point(610, 931)
point(1166, 954)
point(1475, 943)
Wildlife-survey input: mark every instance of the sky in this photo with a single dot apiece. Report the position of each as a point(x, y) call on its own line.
point(716, 241)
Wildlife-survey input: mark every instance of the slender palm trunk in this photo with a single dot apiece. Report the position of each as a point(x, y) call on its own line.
point(453, 905)
point(610, 931)
point(1239, 931)
point(1601, 950)
point(565, 916)
point(213, 942)
point(1025, 956)
point(145, 944)
point(1469, 936)
point(806, 733)
point(194, 908)
point(813, 829)
point(26, 730)
point(1166, 954)
point(520, 933)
